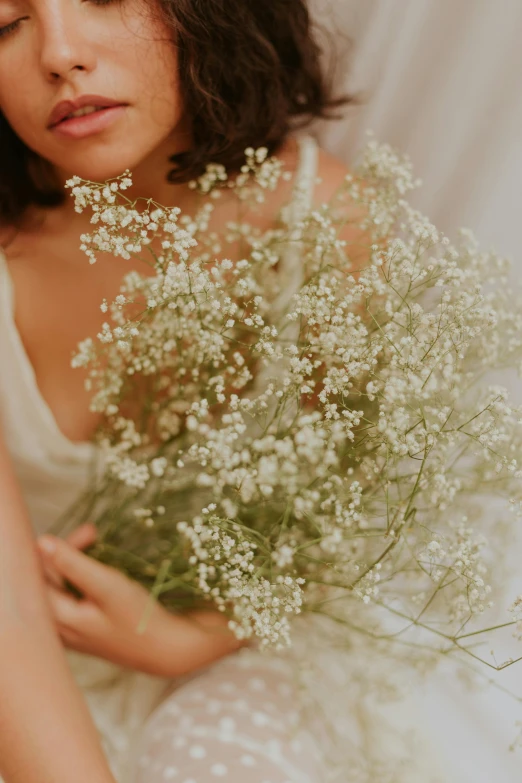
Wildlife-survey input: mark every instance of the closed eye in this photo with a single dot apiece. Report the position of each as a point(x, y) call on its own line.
point(12, 26)
point(8, 28)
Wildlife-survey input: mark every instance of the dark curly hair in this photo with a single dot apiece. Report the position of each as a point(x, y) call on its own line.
point(250, 72)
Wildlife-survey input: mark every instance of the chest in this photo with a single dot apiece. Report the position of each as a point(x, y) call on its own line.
point(55, 306)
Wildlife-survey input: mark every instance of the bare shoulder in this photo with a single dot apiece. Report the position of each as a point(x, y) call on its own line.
point(4, 235)
point(14, 236)
point(7, 234)
point(331, 173)
point(331, 176)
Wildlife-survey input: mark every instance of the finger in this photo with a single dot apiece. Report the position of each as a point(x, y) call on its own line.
point(83, 536)
point(80, 538)
point(68, 620)
point(50, 574)
point(76, 616)
point(64, 607)
point(69, 639)
point(94, 579)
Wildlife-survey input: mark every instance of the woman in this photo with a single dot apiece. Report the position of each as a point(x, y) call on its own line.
point(93, 88)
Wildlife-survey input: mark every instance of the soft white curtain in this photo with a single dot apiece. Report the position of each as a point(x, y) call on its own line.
point(443, 82)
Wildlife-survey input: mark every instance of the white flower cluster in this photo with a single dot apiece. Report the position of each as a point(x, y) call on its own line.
point(108, 238)
point(225, 571)
point(310, 445)
point(259, 173)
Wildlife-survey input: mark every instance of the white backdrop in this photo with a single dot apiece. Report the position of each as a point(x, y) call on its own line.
point(443, 82)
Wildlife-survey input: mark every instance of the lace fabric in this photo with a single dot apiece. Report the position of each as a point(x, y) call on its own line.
point(236, 721)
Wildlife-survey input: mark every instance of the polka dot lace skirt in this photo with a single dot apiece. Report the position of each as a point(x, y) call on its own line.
point(237, 721)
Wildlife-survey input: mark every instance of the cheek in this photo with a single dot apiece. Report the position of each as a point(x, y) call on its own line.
point(152, 60)
point(161, 89)
point(17, 104)
point(16, 74)
point(156, 73)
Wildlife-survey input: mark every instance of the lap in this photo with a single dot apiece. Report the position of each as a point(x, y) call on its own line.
point(236, 720)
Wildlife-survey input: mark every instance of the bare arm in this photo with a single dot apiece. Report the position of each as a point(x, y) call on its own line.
point(46, 732)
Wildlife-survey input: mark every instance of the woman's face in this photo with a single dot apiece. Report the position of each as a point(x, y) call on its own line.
point(60, 50)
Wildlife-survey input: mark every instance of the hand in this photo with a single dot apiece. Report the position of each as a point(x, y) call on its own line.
point(105, 621)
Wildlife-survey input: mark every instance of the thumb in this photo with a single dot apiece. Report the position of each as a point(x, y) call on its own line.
point(94, 579)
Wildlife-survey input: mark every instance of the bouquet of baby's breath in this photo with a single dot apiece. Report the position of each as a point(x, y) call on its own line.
point(311, 436)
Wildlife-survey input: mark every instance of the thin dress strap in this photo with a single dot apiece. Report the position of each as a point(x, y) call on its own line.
point(291, 263)
point(305, 178)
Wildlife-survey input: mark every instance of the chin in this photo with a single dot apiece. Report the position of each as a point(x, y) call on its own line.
point(100, 167)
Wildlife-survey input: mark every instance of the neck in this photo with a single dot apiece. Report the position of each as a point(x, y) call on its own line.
point(149, 181)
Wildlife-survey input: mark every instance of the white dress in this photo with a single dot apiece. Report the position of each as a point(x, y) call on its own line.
point(235, 720)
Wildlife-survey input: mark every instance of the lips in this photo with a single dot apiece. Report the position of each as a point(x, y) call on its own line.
point(64, 108)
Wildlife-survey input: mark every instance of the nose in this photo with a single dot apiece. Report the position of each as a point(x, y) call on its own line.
point(65, 49)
